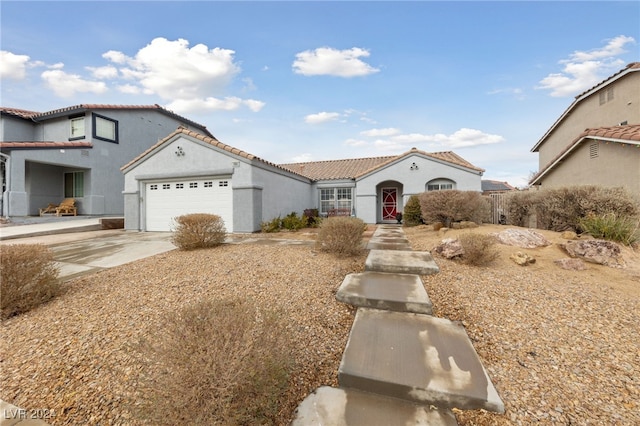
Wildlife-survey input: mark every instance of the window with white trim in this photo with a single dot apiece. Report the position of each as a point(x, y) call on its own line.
point(166, 186)
point(76, 128)
point(440, 185)
point(193, 184)
point(208, 184)
point(105, 128)
point(179, 185)
point(336, 198)
point(223, 183)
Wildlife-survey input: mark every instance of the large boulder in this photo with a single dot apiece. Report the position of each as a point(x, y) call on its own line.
point(596, 251)
point(449, 248)
point(524, 238)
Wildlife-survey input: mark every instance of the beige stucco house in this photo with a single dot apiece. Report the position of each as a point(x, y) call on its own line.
point(596, 141)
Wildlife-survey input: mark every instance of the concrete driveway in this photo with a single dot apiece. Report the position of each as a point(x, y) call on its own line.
point(80, 253)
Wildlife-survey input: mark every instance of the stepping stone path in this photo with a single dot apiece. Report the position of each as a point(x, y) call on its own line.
point(401, 365)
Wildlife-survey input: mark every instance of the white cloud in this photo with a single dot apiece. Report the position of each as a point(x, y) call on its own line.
point(103, 73)
point(13, 66)
point(230, 103)
point(128, 89)
point(355, 142)
point(66, 85)
point(321, 117)
point(460, 139)
point(584, 70)
point(302, 158)
point(329, 61)
point(389, 131)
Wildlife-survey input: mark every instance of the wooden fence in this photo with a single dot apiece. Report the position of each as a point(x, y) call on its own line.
point(499, 211)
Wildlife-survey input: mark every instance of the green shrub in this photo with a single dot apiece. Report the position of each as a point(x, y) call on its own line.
point(293, 222)
point(562, 209)
point(479, 249)
point(453, 206)
point(216, 362)
point(611, 227)
point(198, 230)
point(274, 225)
point(341, 235)
point(313, 218)
point(413, 212)
point(28, 278)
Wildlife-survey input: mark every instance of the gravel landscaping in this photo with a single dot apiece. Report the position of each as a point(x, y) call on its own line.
point(560, 346)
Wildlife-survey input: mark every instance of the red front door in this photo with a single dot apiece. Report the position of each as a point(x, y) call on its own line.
point(389, 203)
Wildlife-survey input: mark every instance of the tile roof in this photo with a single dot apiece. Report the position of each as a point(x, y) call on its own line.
point(209, 140)
point(357, 167)
point(632, 67)
point(36, 116)
point(45, 145)
point(629, 133)
point(496, 185)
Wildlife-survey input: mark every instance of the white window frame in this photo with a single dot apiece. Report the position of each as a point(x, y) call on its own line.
point(440, 185)
point(76, 128)
point(335, 198)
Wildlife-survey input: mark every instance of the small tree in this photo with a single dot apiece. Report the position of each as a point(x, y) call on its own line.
point(412, 212)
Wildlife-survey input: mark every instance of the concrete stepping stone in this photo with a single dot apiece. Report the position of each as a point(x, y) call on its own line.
point(350, 407)
point(418, 358)
point(402, 262)
point(381, 290)
point(376, 245)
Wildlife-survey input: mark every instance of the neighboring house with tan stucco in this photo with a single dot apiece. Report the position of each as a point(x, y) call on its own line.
point(596, 141)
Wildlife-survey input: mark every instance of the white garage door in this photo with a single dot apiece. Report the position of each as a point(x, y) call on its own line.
point(166, 200)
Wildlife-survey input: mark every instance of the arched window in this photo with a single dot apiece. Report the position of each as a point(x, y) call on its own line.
point(440, 184)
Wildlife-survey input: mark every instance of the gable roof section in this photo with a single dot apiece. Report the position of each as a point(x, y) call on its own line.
point(206, 139)
point(629, 134)
point(630, 68)
point(61, 112)
point(357, 167)
point(495, 185)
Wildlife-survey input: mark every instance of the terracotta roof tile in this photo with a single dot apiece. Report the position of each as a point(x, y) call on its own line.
point(22, 113)
point(629, 133)
point(357, 167)
point(206, 139)
point(45, 145)
point(87, 107)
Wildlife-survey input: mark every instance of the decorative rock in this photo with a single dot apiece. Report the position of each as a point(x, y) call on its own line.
point(571, 264)
point(449, 248)
point(525, 238)
point(522, 259)
point(569, 235)
point(442, 231)
point(601, 252)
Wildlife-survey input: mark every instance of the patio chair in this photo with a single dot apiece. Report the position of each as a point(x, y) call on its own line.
point(50, 209)
point(67, 207)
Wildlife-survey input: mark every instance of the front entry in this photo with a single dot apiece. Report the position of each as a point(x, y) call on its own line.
point(389, 203)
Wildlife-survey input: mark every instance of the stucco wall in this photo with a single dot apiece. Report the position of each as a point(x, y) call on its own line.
point(616, 165)
point(411, 181)
point(588, 113)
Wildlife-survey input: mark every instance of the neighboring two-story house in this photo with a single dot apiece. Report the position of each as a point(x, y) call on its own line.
point(76, 152)
point(596, 141)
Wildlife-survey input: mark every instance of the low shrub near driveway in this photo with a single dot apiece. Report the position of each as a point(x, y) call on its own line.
point(28, 278)
point(341, 235)
point(198, 230)
point(217, 362)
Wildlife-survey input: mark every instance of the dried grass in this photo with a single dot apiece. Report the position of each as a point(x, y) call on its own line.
point(28, 278)
point(341, 235)
point(198, 230)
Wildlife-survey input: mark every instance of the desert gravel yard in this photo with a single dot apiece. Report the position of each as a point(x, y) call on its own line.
point(561, 347)
point(73, 355)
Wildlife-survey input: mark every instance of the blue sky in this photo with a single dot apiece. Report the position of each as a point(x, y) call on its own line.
point(310, 81)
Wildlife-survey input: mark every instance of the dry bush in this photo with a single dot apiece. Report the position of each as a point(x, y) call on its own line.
point(217, 362)
point(479, 249)
point(198, 230)
point(341, 235)
point(454, 206)
point(562, 209)
point(28, 278)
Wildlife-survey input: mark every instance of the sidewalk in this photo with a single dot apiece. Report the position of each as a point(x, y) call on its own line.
point(33, 226)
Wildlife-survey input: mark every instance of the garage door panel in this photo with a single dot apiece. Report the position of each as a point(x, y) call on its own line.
point(167, 200)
